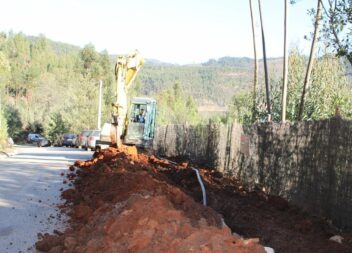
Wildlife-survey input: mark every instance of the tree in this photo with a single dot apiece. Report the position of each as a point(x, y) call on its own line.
point(285, 68)
point(91, 65)
point(337, 26)
point(18, 52)
point(240, 108)
point(175, 107)
point(266, 74)
point(57, 126)
point(3, 130)
point(4, 63)
point(311, 59)
point(4, 70)
point(34, 127)
point(13, 119)
point(256, 69)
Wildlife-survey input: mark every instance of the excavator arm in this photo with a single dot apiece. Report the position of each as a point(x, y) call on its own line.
point(126, 70)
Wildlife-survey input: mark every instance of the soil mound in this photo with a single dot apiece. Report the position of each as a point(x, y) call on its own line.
point(121, 202)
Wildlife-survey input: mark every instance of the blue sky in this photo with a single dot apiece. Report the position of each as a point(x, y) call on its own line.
point(177, 31)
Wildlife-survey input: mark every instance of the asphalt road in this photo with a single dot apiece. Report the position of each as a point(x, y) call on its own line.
point(30, 183)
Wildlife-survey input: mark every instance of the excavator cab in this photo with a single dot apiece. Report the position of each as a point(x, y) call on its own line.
point(141, 122)
point(139, 128)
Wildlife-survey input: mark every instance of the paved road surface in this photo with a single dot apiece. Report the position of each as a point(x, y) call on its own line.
point(30, 183)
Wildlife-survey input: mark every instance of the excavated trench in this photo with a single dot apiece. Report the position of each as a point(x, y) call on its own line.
point(128, 202)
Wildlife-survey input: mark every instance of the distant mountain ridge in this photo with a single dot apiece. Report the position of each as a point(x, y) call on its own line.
point(230, 61)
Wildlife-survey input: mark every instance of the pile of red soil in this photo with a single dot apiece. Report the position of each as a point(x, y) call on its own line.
point(123, 202)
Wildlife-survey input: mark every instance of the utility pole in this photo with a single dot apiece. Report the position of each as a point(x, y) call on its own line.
point(285, 72)
point(99, 105)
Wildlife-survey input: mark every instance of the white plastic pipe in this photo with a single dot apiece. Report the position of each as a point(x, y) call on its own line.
point(202, 186)
point(198, 177)
point(269, 250)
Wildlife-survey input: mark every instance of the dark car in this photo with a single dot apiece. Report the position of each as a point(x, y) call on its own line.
point(68, 140)
point(83, 138)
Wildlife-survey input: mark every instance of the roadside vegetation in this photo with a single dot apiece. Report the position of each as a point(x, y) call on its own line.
point(330, 92)
point(310, 88)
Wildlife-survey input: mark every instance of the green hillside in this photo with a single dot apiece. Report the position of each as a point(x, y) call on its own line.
point(215, 81)
point(43, 81)
point(204, 83)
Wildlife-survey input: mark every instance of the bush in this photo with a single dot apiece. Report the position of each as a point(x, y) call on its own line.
point(57, 126)
point(13, 119)
point(34, 127)
point(3, 130)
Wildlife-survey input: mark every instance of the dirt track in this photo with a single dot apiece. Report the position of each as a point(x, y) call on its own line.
point(124, 202)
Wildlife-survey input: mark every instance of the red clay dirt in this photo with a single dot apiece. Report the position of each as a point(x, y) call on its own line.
point(122, 202)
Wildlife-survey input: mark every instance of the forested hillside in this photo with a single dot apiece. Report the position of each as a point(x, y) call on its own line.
point(205, 83)
point(52, 86)
point(46, 83)
point(215, 81)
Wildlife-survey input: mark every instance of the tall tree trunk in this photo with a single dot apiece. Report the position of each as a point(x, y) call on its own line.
point(267, 87)
point(311, 60)
point(285, 69)
point(255, 81)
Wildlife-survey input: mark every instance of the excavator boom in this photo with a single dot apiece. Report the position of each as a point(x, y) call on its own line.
point(126, 70)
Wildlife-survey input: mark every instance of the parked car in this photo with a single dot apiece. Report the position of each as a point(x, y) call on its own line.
point(68, 140)
point(34, 138)
point(77, 143)
point(92, 138)
point(74, 141)
point(44, 142)
point(82, 138)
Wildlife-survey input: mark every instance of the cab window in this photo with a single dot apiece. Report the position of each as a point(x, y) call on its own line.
point(138, 113)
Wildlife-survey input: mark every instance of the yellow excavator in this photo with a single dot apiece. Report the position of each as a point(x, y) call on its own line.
point(132, 125)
